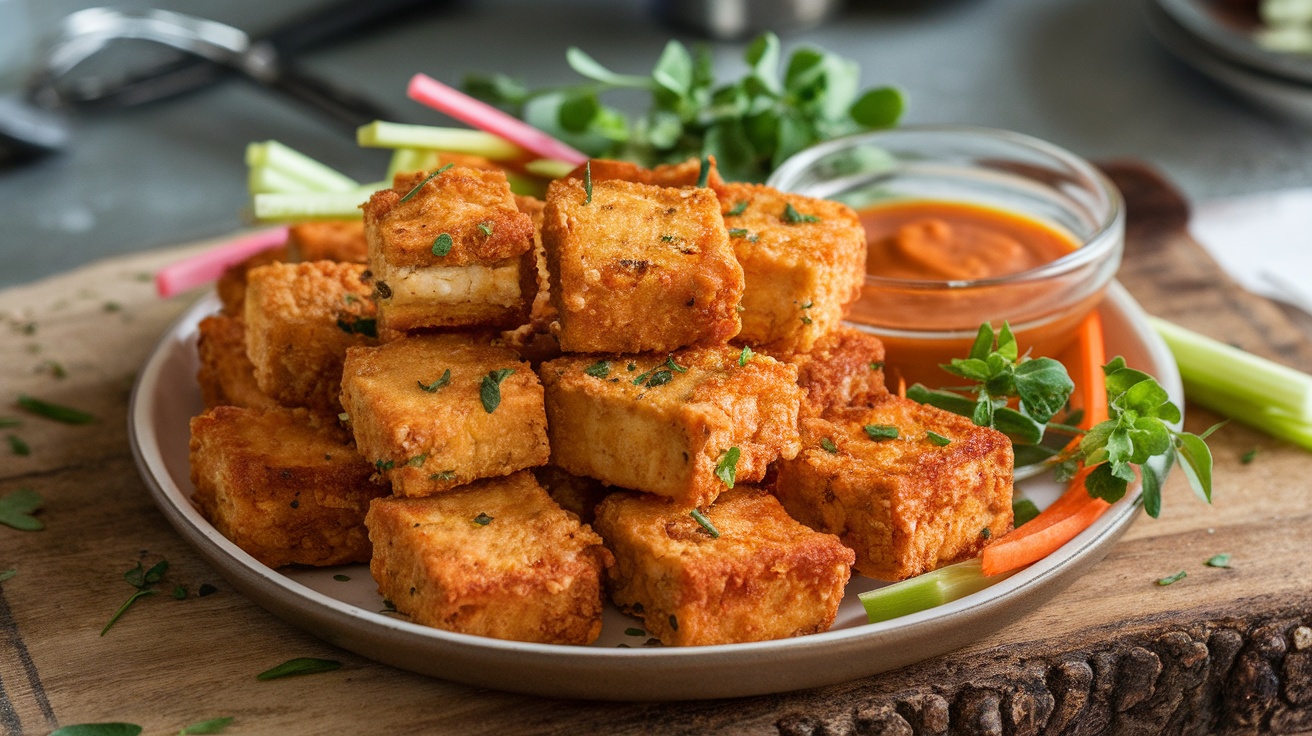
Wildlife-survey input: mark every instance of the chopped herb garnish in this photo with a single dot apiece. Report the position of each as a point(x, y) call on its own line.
point(738, 232)
point(828, 446)
point(350, 298)
point(738, 209)
point(342, 578)
point(706, 524)
point(704, 173)
point(299, 666)
point(727, 468)
point(633, 367)
point(600, 369)
point(793, 217)
point(17, 509)
point(937, 439)
point(1221, 560)
point(669, 363)
point(179, 592)
point(384, 465)
point(55, 368)
point(432, 388)
point(587, 182)
point(57, 412)
point(631, 631)
point(18, 446)
point(809, 303)
point(1171, 579)
point(490, 391)
point(806, 320)
point(669, 238)
point(653, 378)
point(881, 431)
point(6, 574)
point(212, 726)
point(483, 519)
point(421, 184)
point(366, 326)
point(10, 422)
point(445, 475)
point(877, 365)
point(112, 307)
point(674, 622)
point(1248, 457)
point(442, 244)
point(417, 460)
point(126, 605)
point(1023, 511)
point(485, 228)
point(986, 533)
point(745, 356)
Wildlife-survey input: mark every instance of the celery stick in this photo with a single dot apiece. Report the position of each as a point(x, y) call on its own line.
point(1273, 422)
point(301, 206)
point(1218, 369)
point(263, 180)
point(405, 160)
point(379, 134)
point(366, 190)
point(526, 185)
point(316, 176)
point(922, 592)
point(549, 168)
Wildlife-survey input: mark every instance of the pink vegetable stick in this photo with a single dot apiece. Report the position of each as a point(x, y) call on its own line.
point(203, 268)
point(428, 91)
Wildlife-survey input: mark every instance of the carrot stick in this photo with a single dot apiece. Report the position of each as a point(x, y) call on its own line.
point(999, 558)
point(203, 268)
point(428, 91)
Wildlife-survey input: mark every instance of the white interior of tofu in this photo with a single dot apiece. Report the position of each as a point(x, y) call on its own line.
point(476, 283)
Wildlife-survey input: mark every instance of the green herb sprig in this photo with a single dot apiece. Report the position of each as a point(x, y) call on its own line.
point(299, 666)
point(442, 381)
point(726, 469)
point(56, 412)
point(705, 523)
point(489, 392)
point(750, 124)
point(141, 579)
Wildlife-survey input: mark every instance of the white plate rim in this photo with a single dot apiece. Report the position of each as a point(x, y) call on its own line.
point(732, 670)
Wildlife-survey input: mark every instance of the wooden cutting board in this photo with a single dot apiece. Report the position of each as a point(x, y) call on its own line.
point(1222, 651)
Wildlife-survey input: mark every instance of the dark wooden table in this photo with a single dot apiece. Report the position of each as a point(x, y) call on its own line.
point(1222, 651)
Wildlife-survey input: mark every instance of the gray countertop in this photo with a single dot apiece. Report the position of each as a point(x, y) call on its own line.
point(1084, 74)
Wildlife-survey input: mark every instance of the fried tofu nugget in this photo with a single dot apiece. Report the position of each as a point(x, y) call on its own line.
point(844, 368)
point(495, 558)
point(450, 251)
point(906, 504)
point(300, 319)
point(680, 425)
point(764, 577)
point(341, 240)
point(637, 268)
point(231, 286)
point(804, 261)
point(685, 174)
point(226, 376)
point(282, 484)
point(437, 411)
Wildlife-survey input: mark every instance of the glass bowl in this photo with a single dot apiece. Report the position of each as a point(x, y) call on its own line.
point(925, 323)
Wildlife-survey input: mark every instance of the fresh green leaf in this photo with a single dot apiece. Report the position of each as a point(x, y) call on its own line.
point(98, 729)
point(600, 369)
point(879, 432)
point(179, 592)
point(726, 469)
point(299, 666)
point(156, 572)
point(673, 70)
point(1102, 483)
point(497, 89)
point(1043, 387)
point(878, 108)
point(17, 509)
point(7, 574)
point(136, 577)
point(1248, 457)
point(1222, 560)
point(589, 67)
point(490, 390)
point(1172, 579)
point(1023, 511)
point(212, 726)
point(763, 56)
point(441, 382)
point(1196, 459)
point(1152, 489)
point(442, 244)
point(704, 172)
point(793, 217)
point(56, 412)
point(10, 422)
point(705, 523)
point(577, 112)
point(983, 345)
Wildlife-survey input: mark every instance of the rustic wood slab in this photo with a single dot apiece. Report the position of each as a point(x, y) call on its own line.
point(1222, 651)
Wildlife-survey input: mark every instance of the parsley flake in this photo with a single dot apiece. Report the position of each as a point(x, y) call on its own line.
point(1172, 579)
point(745, 355)
point(299, 666)
point(600, 369)
point(439, 383)
point(18, 446)
point(669, 363)
point(705, 523)
point(490, 391)
point(1248, 457)
point(17, 509)
point(485, 228)
point(937, 439)
point(793, 217)
point(828, 446)
point(1222, 560)
point(727, 468)
point(384, 465)
point(421, 184)
point(483, 519)
point(738, 232)
point(669, 238)
point(738, 209)
point(442, 244)
point(633, 367)
point(986, 533)
point(880, 432)
point(877, 365)
point(417, 460)
point(445, 475)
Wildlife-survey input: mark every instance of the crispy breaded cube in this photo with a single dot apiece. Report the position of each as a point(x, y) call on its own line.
point(804, 261)
point(685, 174)
point(495, 558)
point(300, 319)
point(283, 484)
point(662, 424)
point(428, 430)
point(905, 504)
point(575, 493)
point(764, 577)
point(334, 240)
point(450, 251)
point(639, 268)
point(844, 368)
point(542, 313)
point(226, 376)
point(231, 286)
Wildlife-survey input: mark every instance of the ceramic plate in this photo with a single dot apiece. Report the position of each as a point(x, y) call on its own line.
point(350, 614)
point(1223, 32)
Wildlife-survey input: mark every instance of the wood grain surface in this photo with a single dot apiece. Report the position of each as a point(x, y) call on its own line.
point(1221, 651)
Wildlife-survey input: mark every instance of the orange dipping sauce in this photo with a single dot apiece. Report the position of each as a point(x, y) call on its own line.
point(936, 241)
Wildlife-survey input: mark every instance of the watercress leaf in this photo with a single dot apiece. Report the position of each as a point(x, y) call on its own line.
point(156, 572)
point(972, 368)
point(1032, 454)
point(299, 666)
point(589, 67)
point(673, 70)
point(497, 89)
point(578, 111)
point(136, 577)
point(946, 400)
point(17, 507)
point(841, 85)
point(1152, 484)
point(1019, 427)
point(727, 142)
point(1064, 471)
point(1023, 510)
point(1196, 459)
point(1043, 386)
point(1007, 347)
point(1146, 397)
point(1150, 437)
point(998, 364)
point(1119, 446)
point(1124, 471)
point(543, 112)
point(98, 729)
point(763, 56)
point(762, 131)
point(805, 68)
point(664, 129)
point(983, 344)
point(1102, 484)
point(793, 135)
point(983, 414)
point(878, 108)
point(1120, 381)
point(610, 124)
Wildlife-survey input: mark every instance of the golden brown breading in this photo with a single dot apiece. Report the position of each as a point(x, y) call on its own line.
point(663, 430)
point(226, 375)
point(685, 174)
point(542, 313)
point(844, 368)
point(428, 432)
point(300, 319)
point(639, 268)
point(340, 240)
point(801, 276)
point(455, 252)
point(495, 558)
point(282, 485)
point(906, 505)
point(575, 493)
point(231, 286)
point(765, 577)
